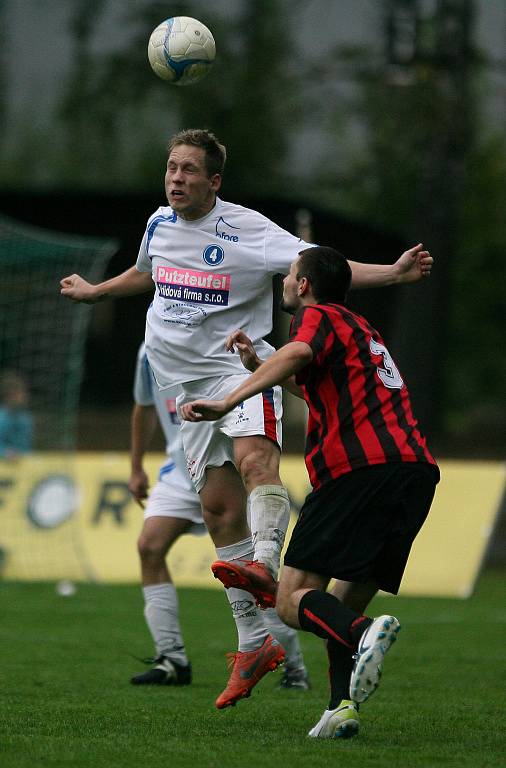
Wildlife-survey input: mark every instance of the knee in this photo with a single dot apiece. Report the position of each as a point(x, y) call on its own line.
point(151, 549)
point(222, 518)
point(214, 522)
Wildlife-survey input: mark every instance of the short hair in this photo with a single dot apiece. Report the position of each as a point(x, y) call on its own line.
point(328, 272)
point(215, 152)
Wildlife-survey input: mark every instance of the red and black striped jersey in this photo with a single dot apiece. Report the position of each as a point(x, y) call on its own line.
point(359, 407)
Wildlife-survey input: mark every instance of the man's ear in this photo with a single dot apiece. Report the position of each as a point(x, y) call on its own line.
point(303, 286)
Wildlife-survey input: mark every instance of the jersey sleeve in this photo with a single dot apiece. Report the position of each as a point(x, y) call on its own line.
point(143, 263)
point(143, 380)
point(281, 248)
point(310, 325)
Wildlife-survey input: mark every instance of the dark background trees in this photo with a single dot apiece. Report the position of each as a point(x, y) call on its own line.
point(380, 119)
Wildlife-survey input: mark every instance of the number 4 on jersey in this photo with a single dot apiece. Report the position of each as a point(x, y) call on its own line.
point(389, 373)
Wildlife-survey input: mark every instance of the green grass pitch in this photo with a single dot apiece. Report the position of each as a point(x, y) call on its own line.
point(67, 701)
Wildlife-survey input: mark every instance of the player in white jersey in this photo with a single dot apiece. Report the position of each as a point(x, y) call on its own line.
point(212, 264)
point(172, 509)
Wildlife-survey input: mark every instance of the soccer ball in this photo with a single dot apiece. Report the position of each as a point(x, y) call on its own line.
point(181, 50)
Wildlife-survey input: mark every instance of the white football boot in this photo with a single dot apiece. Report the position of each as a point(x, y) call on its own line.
point(340, 723)
point(368, 666)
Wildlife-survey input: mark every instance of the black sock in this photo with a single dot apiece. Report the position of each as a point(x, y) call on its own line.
point(324, 615)
point(340, 665)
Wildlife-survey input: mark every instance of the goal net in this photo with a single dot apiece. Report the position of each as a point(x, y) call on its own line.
point(42, 338)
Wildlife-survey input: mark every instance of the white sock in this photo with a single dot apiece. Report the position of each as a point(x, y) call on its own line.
point(269, 514)
point(161, 610)
point(251, 631)
point(287, 636)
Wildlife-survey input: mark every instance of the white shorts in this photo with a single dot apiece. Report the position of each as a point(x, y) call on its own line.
point(172, 500)
point(210, 443)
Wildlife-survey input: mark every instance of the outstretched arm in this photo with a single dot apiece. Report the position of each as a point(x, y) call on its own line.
point(283, 364)
point(127, 283)
point(414, 264)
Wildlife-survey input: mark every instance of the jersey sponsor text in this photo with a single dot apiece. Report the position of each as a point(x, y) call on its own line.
point(193, 286)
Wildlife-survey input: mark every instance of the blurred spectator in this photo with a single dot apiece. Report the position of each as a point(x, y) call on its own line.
point(16, 423)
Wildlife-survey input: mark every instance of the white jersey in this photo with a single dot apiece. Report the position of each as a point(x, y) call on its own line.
point(211, 277)
point(147, 393)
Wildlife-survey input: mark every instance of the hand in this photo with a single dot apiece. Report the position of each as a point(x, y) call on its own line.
point(138, 486)
point(243, 344)
point(414, 264)
point(204, 410)
point(77, 289)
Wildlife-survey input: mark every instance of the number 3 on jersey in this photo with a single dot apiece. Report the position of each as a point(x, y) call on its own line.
point(389, 373)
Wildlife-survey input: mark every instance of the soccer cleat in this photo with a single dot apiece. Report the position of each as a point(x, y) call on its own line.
point(252, 576)
point(248, 668)
point(295, 679)
point(368, 666)
point(166, 672)
point(340, 723)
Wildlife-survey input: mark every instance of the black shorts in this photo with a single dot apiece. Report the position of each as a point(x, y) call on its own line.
point(360, 527)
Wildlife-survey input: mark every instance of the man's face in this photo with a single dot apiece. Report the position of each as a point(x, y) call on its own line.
point(291, 300)
point(190, 191)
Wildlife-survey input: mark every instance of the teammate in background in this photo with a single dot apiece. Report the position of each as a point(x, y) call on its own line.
point(172, 509)
point(212, 264)
point(16, 421)
point(372, 474)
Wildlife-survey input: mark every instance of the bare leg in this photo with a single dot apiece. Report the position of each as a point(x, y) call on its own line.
point(156, 538)
point(354, 596)
point(257, 459)
point(224, 508)
point(223, 500)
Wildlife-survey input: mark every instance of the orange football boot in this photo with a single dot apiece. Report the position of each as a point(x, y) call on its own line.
point(252, 576)
point(248, 668)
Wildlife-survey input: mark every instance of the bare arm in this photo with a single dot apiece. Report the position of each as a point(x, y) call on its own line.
point(283, 364)
point(414, 264)
point(128, 283)
point(249, 358)
point(143, 425)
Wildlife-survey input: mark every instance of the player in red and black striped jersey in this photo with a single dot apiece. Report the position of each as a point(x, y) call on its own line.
point(359, 408)
point(373, 477)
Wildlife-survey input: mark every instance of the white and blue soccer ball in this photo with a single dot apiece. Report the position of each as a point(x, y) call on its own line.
point(181, 50)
